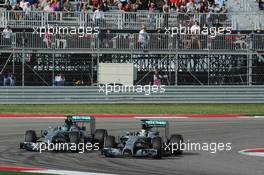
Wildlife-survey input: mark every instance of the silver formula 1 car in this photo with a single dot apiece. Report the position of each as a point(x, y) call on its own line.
point(148, 142)
point(76, 130)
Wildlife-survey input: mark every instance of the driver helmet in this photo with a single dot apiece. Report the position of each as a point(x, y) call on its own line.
point(68, 122)
point(145, 126)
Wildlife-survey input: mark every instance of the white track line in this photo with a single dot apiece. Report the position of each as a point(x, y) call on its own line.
point(146, 117)
point(259, 117)
point(62, 172)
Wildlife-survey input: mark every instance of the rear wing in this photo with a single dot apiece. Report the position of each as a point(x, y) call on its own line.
point(158, 124)
point(84, 119)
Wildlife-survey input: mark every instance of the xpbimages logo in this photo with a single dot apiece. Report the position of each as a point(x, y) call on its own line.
point(146, 89)
point(80, 31)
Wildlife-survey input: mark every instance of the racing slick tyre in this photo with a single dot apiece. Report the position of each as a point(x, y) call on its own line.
point(109, 142)
point(30, 136)
point(176, 139)
point(99, 136)
point(74, 138)
point(157, 144)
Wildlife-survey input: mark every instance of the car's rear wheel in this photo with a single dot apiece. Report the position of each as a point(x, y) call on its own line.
point(99, 136)
point(157, 144)
point(30, 136)
point(109, 142)
point(176, 139)
point(75, 139)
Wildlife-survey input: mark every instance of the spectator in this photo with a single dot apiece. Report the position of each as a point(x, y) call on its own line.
point(47, 39)
point(219, 3)
point(17, 8)
point(8, 6)
point(98, 16)
point(5, 80)
point(159, 39)
point(9, 80)
point(23, 4)
point(166, 11)
point(27, 9)
point(157, 78)
point(104, 6)
point(195, 29)
point(7, 33)
point(67, 6)
point(12, 80)
point(143, 38)
point(261, 4)
point(48, 8)
point(59, 80)
point(152, 7)
point(134, 5)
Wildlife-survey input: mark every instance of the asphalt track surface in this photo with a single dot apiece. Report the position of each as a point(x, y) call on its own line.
point(242, 133)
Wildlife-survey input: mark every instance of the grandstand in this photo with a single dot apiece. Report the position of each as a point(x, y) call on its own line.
point(35, 58)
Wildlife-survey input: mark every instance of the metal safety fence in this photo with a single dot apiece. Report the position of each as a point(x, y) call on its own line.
point(126, 42)
point(92, 95)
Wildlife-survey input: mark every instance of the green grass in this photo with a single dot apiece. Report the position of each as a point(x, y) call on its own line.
point(19, 173)
point(244, 109)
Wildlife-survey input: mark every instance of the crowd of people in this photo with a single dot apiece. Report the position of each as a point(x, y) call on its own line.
point(8, 79)
point(165, 6)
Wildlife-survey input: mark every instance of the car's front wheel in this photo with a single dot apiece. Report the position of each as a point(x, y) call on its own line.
point(30, 136)
point(157, 144)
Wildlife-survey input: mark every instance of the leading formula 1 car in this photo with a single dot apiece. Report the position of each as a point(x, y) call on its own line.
point(74, 131)
point(147, 142)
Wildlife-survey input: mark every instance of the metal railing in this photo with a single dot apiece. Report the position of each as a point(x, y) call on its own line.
point(91, 95)
point(113, 20)
point(127, 42)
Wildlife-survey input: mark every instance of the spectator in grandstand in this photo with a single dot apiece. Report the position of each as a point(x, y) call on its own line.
point(67, 6)
point(17, 10)
point(59, 80)
point(195, 31)
point(12, 80)
point(144, 4)
point(159, 39)
point(8, 6)
point(190, 8)
point(143, 38)
point(5, 80)
point(7, 33)
point(157, 78)
point(152, 7)
point(48, 8)
point(126, 8)
point(98, 16)
point(219, 3)
point(105, 38)
point(23, 4)
point(27, 10)
point(9, 80)
point(166, 11)
point(134, 4)
point(104, 6)
point(261, 4)
point(217, 23)
point(47, 39)
point(214, 9)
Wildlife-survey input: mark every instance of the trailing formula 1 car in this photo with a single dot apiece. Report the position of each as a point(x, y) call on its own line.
point(75, 131)
point(146, 143)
